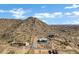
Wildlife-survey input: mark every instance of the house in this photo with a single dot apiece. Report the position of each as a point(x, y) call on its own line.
point(42, 40)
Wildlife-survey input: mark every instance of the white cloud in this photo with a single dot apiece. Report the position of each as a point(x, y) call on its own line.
point(76, 13)
point(43, 15)
point(72, 7)
point(18, 13)
point(71, 14)
point(68, 14)
point(57, 13)
point(48, 15)
point(44, 21)
point(2, 11)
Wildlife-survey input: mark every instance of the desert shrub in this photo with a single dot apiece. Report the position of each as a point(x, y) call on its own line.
point(10, 41)
point(53, 52)
point(28, 40)
point(51, 36)
point(78, 45)
point(49, 52)
point(29, 52)
point(66, 43)
point(17, 44)
point(11, 52)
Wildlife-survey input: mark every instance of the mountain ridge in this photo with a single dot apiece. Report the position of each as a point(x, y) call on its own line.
point(59, 37)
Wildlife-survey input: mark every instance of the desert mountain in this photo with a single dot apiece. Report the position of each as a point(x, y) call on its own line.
point(22, 30)
point(31, 27)
point(63, 38)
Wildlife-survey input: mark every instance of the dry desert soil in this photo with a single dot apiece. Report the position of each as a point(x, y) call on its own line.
point(32, 36)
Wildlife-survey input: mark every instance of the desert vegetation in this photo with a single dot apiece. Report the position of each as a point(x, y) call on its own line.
point(32, 36)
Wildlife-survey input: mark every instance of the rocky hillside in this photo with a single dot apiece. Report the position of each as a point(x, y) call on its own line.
point(31, 26)
point(60, 38)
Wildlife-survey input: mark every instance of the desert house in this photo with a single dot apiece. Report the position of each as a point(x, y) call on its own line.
point(40, 42)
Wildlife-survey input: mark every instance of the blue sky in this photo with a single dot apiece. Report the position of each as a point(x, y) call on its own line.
point(48, 13)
